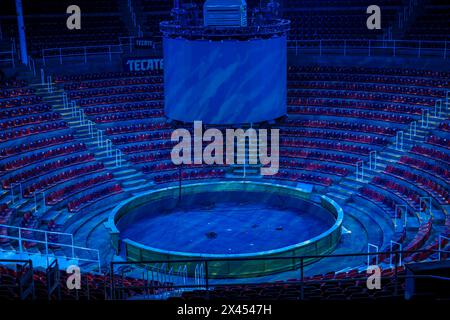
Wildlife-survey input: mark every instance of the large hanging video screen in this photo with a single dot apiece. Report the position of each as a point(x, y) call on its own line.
point(225, 82)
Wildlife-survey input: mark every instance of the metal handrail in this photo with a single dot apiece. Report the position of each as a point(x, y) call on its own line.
point(302, 281)
point(84, 51)
point(339, 255)
point(46, 242)
point(419, 47)
point(9, 53)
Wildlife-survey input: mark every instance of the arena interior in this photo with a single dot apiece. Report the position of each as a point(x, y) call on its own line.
point(94, 207)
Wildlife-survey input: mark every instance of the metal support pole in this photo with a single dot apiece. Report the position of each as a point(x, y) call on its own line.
point(399, 140)
point(373, 160)
point(441, 237)
point(369, 246)
point(20, 241)
point(42, 76)
point(65, 101)
point(399, 261)
point(118, 158)
point(99, 263)
point(437, 108)
point(49, 84)
point(425, 118)
point(427, 201)
point(398, 208)
point(46, 245)
point(22, 35)
point(108, 147)
point(302, 278)
point(99, 137)
point(412, 129)
point(206, 276)
point(360, 172)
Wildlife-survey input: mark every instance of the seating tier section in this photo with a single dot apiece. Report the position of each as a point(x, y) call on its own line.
point(41, 159)
point(129, 108)
point(338, 116)
point(102, 23)
point(431, 23)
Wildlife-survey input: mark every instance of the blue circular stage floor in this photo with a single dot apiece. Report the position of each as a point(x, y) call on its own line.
point(226, 227)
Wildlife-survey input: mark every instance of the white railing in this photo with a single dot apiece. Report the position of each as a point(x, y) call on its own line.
point(46, 239)
point(360, 171)
point(32, 65)
point(372, 248)
point(405, 14)
point(84, 51)
point(8, 56)
point(442, 237)
point(392, 256)
point(415, 48)
point(94, 133)
point(398, 209)
point(134, 20)
point(126, 44)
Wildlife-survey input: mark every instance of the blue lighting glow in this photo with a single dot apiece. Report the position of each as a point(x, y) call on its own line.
point(225, 82)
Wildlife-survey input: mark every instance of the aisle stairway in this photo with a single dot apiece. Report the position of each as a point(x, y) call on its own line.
point(132, 180)
point(389, 155)
point(242, 168)
point(349, 186)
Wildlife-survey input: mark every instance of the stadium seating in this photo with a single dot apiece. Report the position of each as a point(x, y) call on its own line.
point(56, 175)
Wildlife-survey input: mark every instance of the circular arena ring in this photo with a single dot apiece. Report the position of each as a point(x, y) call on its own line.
point(221, 221)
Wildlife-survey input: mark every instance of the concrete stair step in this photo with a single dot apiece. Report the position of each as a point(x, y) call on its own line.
point(57, 215)
point(382, 222)
point(337, 196)
point(351, 185)
point(240, 176)
point(27, 205)
point(134, 183)
point(130, 176)
point(122, 171)
point(249, 171)
point(438, 216)
point(140, 188)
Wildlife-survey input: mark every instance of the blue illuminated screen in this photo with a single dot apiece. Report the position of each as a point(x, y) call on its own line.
point(225, 82)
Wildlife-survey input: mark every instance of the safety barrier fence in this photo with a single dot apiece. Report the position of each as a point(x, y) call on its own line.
point(344, 47)
point(93, 131)
point(121, 269)
point(24, 279)
point(8, 55)
point(46, 245)
point(393, 48)
point(159, 277)
point(404, 15)
point(441, 110)
point(134, 19)
point(84, 51)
